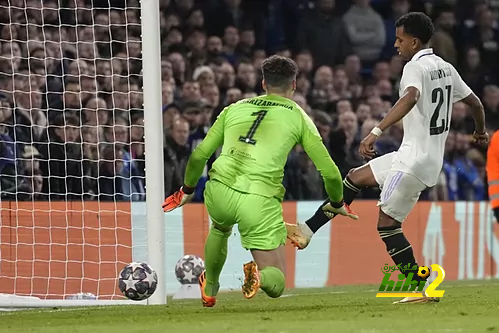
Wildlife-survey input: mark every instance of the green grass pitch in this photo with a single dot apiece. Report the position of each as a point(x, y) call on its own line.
point(470, 306)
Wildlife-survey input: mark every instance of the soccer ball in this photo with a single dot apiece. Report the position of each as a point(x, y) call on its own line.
point(138, 281)
point(188, 269)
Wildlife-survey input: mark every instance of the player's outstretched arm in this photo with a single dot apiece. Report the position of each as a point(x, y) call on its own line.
point(478, 114)
point(315, 149)
point(403, 106)
point(462, 92)
point(196, 164)
point(411, 85)
point(200, 155)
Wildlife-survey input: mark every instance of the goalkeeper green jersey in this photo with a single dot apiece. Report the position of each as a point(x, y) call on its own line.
point(256, 136)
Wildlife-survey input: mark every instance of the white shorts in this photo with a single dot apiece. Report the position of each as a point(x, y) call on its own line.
point(399, 190)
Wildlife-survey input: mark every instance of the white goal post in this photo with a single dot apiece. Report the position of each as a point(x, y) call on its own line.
point(153, 122)
point(81, 143)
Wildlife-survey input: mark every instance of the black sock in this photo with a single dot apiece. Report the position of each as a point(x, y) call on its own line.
point(319, 219)
point(399, 248)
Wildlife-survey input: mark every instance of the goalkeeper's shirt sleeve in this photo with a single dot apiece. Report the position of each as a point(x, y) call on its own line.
point(315, 149)
point(204, 151)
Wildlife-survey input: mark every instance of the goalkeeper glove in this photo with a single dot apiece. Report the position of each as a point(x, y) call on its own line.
point(178, 199)
point(331, 209)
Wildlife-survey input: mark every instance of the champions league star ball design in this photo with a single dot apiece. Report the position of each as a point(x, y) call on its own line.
point(138, 281)
point(188, 269)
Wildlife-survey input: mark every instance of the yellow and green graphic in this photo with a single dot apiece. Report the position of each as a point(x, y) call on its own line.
point(405, 286)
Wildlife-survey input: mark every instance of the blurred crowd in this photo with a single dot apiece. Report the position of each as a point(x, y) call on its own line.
point(71, 118)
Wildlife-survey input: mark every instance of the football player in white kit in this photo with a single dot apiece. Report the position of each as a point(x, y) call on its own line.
point(428, 88)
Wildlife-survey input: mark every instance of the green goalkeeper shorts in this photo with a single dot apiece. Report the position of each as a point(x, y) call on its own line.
point(259, 219)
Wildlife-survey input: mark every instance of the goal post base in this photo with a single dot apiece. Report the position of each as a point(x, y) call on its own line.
point(13, 302)
point(188, 291)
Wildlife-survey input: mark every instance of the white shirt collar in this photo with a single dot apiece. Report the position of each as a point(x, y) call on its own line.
point(422, 53)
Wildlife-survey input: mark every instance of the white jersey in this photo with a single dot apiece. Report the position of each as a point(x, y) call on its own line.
point(427, 125)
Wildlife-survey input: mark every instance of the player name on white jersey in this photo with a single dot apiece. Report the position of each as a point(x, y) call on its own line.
point(440, 73)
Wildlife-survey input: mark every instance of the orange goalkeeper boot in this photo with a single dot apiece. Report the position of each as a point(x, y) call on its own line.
point(251, 280)
point(298, 235)
point(208, 301)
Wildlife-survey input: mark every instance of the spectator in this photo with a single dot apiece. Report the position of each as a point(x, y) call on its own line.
point(28, 183)
point(484, 35)
point(8, 152)
point(225, 76)
point(490, 101)
point(203, 75)
point(305, 62)
point(303, 84)
point(363, 113)
point(191, 91)
point(306, 183)
point(302, 102)
point(397, 9)
point(322, 86)
point(461, 119)
point(233, 95)
point(246, 77)
point(246, 45)
point(353, 68)
point(471, 184)
point(347, 122)
point(365, 30)
point(230, 43)
point(167, 93)
point(91, 136)
point(170, 112)
point(211, 94)
point(324, 123)
point(179, 67)
point(340, 85)
point(195, 20)
point(343, 106)
point(230, 13)
point(450, 168)
point(137, 156)
point(214, 48)
point(61, 164)
point(473, 71)
point(176, 154)
point(442, 40)
point(110, 185)
point(318, 26)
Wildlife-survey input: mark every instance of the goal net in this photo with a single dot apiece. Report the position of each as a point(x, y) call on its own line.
point(71, 143)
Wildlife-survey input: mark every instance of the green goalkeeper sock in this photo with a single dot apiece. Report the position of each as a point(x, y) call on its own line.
point(272, 281)
point(215, 253)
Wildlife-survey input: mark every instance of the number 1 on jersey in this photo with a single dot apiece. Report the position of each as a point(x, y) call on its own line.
point(438, 97)
point(249, 136)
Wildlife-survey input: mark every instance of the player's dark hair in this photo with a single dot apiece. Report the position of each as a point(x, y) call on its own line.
point(418, 25)
point(279, 72)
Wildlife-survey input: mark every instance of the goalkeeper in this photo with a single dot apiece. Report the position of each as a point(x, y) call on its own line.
point(245, 185)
